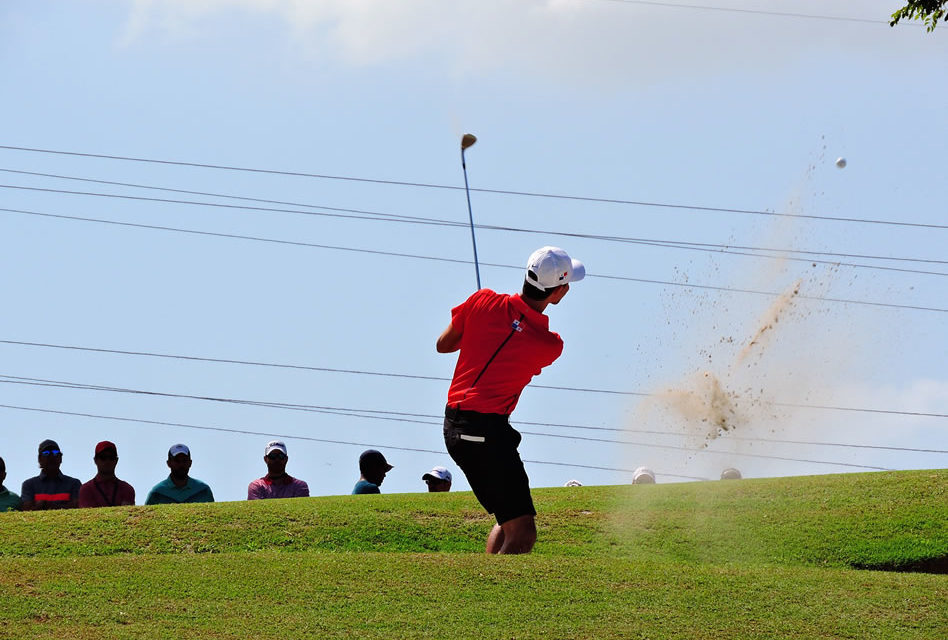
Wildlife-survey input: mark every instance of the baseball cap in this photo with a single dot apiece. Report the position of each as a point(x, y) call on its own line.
point(275, 445)
point(438, 473)
point(105, 444)
point(49, 445)
point(179, 448)
point(371, 459)
point(550, 267)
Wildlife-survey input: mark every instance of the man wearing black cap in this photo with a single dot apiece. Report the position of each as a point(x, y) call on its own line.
point(504, 340)
point(51, 489)
point(105, 490)
point(373, 466)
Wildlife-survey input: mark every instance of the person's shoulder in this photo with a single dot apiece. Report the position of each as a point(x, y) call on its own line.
point(72, 482)
point(364, 486)
point(199, 484)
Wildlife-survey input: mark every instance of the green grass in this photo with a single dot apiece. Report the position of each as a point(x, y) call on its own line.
point(748, 559)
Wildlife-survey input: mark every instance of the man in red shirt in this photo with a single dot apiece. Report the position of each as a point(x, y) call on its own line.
point(105, 490)
point(504, 341)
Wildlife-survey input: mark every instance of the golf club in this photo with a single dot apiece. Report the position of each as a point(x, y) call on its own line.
point(467, 140)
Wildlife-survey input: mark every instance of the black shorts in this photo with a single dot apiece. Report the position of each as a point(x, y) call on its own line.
point(484, 445)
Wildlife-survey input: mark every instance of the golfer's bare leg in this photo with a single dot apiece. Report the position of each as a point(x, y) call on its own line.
point(515, 536)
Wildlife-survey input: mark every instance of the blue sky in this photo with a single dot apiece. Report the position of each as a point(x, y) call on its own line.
point(719, 109)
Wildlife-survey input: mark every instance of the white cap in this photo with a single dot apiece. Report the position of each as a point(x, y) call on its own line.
point(179, 448)
point(275, 445)
point(573, 483)
point(438, 473)
point(730, 474)
point(551, 267)
point(643, 475)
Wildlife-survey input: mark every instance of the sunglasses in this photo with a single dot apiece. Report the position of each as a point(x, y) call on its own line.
point(276, 455)
point(51, 452)
point(107, 457)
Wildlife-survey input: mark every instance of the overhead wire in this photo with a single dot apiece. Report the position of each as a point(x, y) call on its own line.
point(7, 379)
point(411, 376)
point(309, 438)
point(705, 209)
point(762, 12)
point(361, 214)
point(459, 261)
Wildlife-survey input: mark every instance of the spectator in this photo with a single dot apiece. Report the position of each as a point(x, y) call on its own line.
point(731, 474)
point(504, 341)
point(179, 487)
point(9, 501)
point(643, 475)
point(51, 489)
point(277, 483)
point(438, 480)
point(373, 467)
point(105, 490)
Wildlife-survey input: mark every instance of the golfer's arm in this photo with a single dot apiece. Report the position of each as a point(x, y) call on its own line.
point(449, 340)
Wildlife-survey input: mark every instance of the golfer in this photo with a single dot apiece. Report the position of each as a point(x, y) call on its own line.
point(504, 341)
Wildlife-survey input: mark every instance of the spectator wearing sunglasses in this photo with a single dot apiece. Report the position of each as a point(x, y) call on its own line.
point(179, 487)
point(105, 490)
point(51, 489)
point(277, 483)
point(9, 501)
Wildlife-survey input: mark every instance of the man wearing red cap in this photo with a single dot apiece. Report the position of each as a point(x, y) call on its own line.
point(504, 340)
point(105, 490)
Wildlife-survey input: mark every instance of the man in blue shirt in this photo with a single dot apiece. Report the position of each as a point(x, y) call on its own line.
point(373, 466)
point(179, 487)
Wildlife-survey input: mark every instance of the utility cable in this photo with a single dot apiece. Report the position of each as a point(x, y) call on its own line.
point(352, 413)
point(360, 214)
point(480, 190)
point(309, 438)
point(459, 261)
point(275, 365)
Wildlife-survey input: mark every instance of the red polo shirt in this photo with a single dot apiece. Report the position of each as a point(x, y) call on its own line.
point(504, 343)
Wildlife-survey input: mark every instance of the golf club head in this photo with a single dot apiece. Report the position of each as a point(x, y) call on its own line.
point(467, 140)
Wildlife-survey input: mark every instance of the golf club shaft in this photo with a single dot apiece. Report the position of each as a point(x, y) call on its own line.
point(467, 191)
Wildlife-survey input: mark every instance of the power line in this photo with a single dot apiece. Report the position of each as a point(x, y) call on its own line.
point(480, 190)
point(405, 219)
point(308, 438)
point(354, 413)
point(415, 376)
point(782, 14)
point(457, 261)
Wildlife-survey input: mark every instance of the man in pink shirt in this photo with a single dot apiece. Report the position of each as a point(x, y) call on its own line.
point(277, 483)
point(504, 340)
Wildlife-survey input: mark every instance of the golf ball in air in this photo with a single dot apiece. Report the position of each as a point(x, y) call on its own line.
point(840, 162)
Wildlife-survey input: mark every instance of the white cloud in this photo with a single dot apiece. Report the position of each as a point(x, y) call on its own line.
point(592, 39)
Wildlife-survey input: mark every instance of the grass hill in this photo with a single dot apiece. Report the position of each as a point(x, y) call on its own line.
point(844, 556)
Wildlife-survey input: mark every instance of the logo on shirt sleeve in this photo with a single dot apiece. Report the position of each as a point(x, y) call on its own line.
point(516, 326)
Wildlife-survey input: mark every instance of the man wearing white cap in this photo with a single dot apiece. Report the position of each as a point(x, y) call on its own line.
point(504, 340)
point(179, 486)
point(277, 483)
point(438, 480)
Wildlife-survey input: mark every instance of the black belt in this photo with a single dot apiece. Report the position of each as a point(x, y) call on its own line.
point(454, 413)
